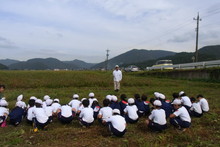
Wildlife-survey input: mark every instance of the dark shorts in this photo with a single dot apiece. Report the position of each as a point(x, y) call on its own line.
point(157, 127)
point(85, 123)
point(129, 120)
point(179, 123)
point(195, 114)
point(40, 125)
point(64, 120)
point(115, 131)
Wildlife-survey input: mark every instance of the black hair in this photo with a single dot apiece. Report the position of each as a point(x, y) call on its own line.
point(38, 105)
point(175, 95)
point(144, 97)
point(137, 97)
point(106, 102)
point(31, 102)
point(85, 103)
point(2, 86)
point(152, 100)
point(95, 103)
point(123, 97)
point(131, 104)
point(199, 95)
point(158, 107)
point(192, 99)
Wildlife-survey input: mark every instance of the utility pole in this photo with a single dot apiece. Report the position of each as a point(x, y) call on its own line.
point(197, 36)
point(106, 63)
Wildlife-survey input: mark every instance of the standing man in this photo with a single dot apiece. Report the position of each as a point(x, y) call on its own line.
point(2, 88)
point(117, 78)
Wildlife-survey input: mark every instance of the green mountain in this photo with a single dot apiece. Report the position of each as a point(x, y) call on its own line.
point(8, 62)
point(79, 63)
point(206, 53)
point(3, 67)
point(134, 56)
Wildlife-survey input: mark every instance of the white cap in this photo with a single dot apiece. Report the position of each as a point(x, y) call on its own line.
point(162, 96)
point(91, 94)
point(46, 97)
point(39, 101)
point(176, 102)
point(75, 96)
point(49, 102)
point(130, 101)
point(19, 104)
point(109, 97)
point(115, 111)
point(3, 102)
point(114, 98)
point(95, 99)
point(157, 94)
point(116, 66)
point(20, 97)
point(181, 92)
point(33, 98)
point(83, 99)
point(56, 100)
point(157, 103)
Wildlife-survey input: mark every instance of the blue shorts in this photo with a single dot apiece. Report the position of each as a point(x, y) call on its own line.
point(64, 120)
point(129, 120)
point(40, 125)
point(115, 131)
point(177, 122)
point(195, 114)
point(85, 123)
point(157, 127)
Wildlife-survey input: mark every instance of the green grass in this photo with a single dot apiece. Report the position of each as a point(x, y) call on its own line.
point(204, 131)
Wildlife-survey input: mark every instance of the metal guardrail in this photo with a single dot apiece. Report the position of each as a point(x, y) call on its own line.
point(204, 64)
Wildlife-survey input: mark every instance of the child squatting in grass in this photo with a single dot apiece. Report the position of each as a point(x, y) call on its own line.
point(40, 114)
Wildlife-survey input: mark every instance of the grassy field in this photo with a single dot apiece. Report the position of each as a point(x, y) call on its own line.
point(204, 131)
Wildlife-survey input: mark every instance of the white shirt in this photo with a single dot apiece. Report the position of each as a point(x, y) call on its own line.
point(186, 101)
point(118, 122)
point(132, 112)
point(44, 104)
point(183, 114)
point(55, 106)
point(75, 104)
point(196, 107)
point(204, 104)
point(49, 110)
point(106, 112)
point(40, 115)
point(66, 111)
point(30, 113)
point(158, 116)
point(4, 110)
point(91, 101)
point(117, 75)
point(87, 115)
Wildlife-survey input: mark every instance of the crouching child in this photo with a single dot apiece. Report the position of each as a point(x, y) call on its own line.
point(40, 118)
point(196, 109)
point(86, 115)
point(17, 114)
point(4, 111)
point(157, 120)
point(65, 114)
point(130, 111)
point(116, 123)
point(180, 118)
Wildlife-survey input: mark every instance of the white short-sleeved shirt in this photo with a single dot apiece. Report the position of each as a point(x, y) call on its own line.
point(91, 101)
point(158, 116)
point(4, 110)
point(117, 74)
point(30, 113)
point(44, 104)
point(75, 104)
point(106, 112)
point(186, 101)
point(66, 111)
point(204, 104)
point(118, 122)
point(132, 111)
point(87, 115)
point(40, 115)
point(183, 114)
point(196, 107)
point(81, 107)
point(55, 106)
point(49, 110)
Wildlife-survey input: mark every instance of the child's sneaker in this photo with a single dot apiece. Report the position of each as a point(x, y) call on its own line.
point(35, 129)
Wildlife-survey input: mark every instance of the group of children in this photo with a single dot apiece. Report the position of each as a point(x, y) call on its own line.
point(114, 114)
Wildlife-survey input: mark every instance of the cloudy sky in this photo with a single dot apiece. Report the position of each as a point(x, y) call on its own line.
point(84, 29)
